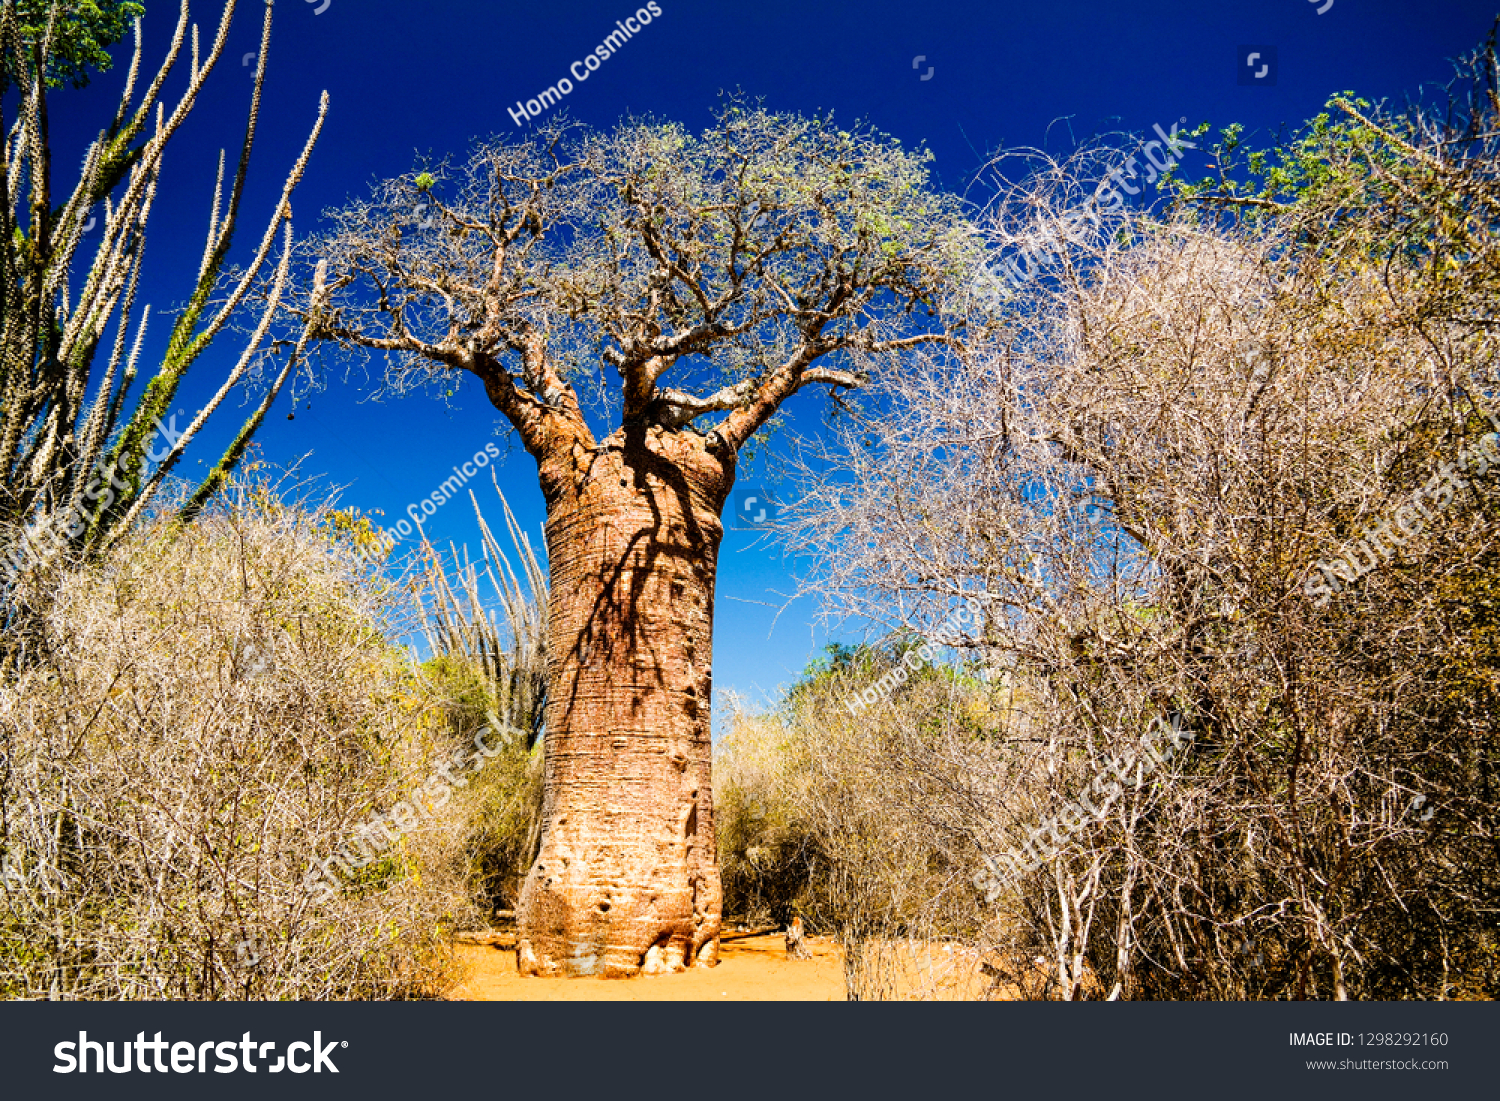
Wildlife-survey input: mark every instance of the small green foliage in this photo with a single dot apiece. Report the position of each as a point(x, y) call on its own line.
point(80, 39)
point(1337, 164)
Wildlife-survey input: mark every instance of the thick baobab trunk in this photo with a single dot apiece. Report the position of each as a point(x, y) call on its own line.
point(627, 878)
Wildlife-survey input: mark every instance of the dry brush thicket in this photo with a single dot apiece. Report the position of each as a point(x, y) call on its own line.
point(218, 707)
point(863, 824)
point(1136, 473)
point(490, 657)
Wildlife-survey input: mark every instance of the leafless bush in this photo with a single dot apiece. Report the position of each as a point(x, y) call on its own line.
point(865, 826)
point(503, 638)
point(1135, 474)
point(220, 708)
point(768, 858)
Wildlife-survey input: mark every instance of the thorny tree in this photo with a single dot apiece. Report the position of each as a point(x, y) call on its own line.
point(714, 276)
point(73, 450)
point(1139, 480)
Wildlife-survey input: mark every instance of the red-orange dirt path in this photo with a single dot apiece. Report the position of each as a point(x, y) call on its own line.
point(754, 969)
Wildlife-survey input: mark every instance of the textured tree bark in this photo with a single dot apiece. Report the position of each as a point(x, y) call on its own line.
point(627, 878)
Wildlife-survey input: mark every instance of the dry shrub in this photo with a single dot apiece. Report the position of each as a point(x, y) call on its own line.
point(1137, 488)
point(768, 858)
point(218, 708)
point(1137, 475)
point(864, 823)
point(490, 647)
point(503, 803)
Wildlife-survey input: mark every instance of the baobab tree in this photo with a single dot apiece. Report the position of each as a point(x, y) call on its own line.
point(687, 286)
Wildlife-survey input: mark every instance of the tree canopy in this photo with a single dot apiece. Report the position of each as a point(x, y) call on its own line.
point(82, 32)
point(712, 273)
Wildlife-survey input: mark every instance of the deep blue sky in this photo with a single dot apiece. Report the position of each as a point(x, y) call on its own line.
point(407, 77)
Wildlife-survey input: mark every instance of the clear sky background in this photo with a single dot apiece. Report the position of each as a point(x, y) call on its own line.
point(408, 78)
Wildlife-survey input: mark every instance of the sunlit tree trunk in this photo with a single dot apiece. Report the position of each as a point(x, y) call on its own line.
point(715, 290)
point(627, 878)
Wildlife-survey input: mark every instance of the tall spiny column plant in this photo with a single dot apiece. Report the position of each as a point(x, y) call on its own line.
point(74, 437)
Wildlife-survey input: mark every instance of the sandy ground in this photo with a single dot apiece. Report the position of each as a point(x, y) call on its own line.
point(756, 969)
point(751, 970)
